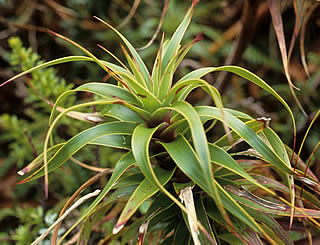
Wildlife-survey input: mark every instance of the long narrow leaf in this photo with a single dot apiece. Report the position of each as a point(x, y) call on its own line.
point(140, 147)
point(246, 134)
point(185, 158)
point(122, 165)
point(242, 73)
point(80, 140)
point(144, 191)
point(137, 57)
point(109, 90)
point(274, 6)
point(174, 42)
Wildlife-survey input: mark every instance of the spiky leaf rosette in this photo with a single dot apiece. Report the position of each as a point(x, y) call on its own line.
point(168, 154)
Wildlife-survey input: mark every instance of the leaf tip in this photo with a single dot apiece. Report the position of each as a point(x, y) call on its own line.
point(117, 228)
point(4, 83)
point(21, 182)
point(23, 171)
point(194, 3)
point(198, 38)
point(52, 32)
point(99, 19)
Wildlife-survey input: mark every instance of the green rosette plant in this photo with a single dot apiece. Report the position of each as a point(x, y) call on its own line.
point(186, 188)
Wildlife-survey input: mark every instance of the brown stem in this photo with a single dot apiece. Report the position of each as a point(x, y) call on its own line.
point(249, 20)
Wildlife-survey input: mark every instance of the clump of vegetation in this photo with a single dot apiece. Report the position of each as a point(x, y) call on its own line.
point(46, 84)
point(32, 222)
point(239, 188)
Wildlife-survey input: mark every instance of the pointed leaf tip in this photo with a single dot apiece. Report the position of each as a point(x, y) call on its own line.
point(117, 228)
point(4, 83)
point(194, 3)
point(98, 19)
point(52, 32)
point(198, 38)
point(22, 172)
point(21, 182)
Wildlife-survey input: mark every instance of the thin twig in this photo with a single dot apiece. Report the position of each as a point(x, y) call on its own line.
point(163, 14)
point(130, 15)
point(74, 206)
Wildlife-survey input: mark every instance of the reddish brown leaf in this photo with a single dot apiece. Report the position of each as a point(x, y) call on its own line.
point(274, 7)
point(302, 38)
point(298, 11)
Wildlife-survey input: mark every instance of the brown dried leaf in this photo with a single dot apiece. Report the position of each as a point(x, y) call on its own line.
point(274, 7)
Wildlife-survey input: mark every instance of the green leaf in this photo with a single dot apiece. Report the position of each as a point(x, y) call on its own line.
point(166, 80)
point(167, 77)
point(109, 91)
point(174, 43)
point(199, 138)
point(222, 158)
point(198, 135)
point(185, 158)
point(122, 165)
point(246, 134)
point(122, 113)
point(140, 147)
point(134, 68)
point(114, 141)
point(144, 191)
point(188, 85)
point(279, 148)
point(149, 101)
point(80, 140)
point(65, 60)
point(38, 160)
point(242, 73)
point(136, 56)
point(254, 125)
point(47, 64)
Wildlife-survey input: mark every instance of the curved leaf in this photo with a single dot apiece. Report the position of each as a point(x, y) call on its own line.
point(140, 147)
point(110, 91)
point(80, 140)
point(114, 141)
point(185, 158)
point(254, 125)
point(136, 56)
point(174, 42)
point(123, 113)
point(122, 165)
point(144, 191)
point(246, 134)
point(266, 206)
point(149, 101)
point(242, 73)
point(222, 158)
